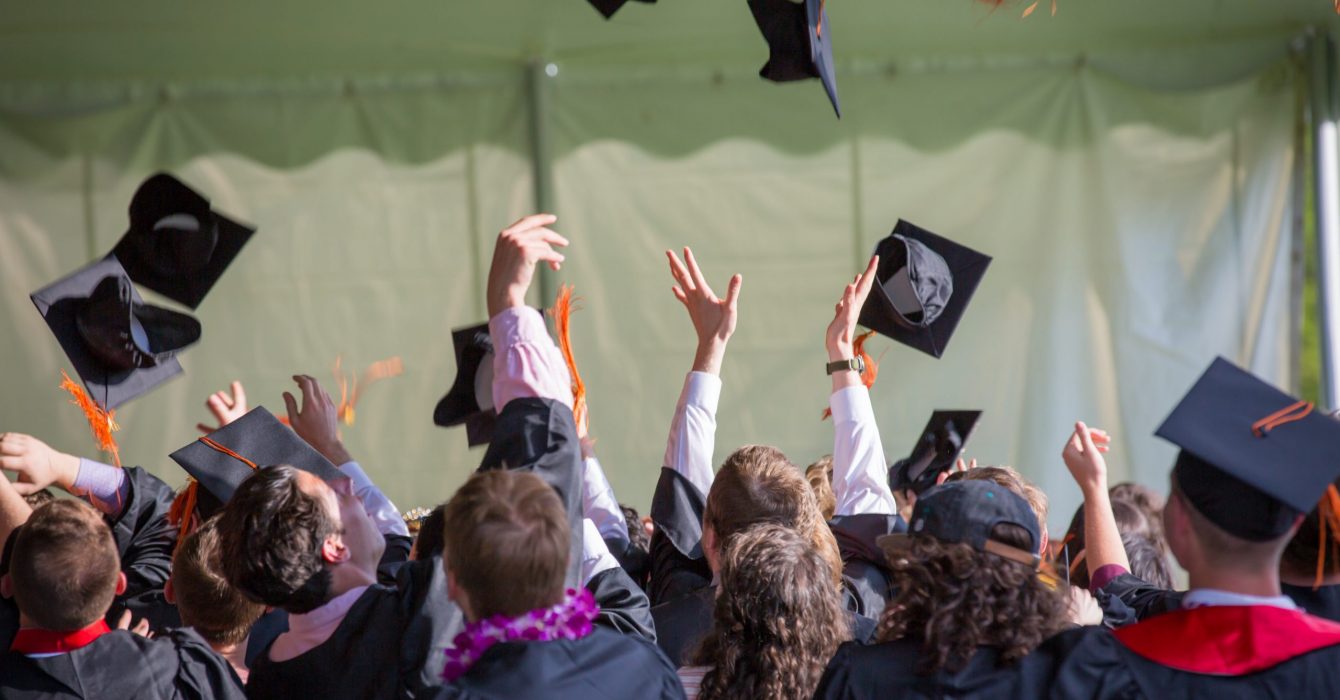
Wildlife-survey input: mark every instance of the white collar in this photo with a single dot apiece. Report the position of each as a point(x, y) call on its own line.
point(1210, 597)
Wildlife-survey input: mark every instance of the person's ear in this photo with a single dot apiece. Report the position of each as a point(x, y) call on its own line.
point(6, 586)
point(121, 582)
point(334, 551)
point(168, 594)
point(457, 595)
point(710, 548)
point(1046, 541)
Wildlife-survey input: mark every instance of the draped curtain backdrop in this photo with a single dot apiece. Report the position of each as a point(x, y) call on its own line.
point(1140, 206)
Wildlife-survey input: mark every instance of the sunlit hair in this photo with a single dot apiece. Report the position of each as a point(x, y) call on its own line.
point(953, 599)
point(219, 612)
point(758, 484)
point(776, 622)
point(820, 476)
point(1011, 480)
point(64, 566)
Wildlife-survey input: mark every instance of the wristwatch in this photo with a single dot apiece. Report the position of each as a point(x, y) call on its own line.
point(855, 364)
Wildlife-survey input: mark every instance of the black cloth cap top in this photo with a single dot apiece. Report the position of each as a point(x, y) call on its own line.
point(470, 399)
point(799, 43)
point(258, 437)
point(1253, 457)
point(940, 445)
point(120, 347)
point(965, 512)
point(607, 8)
point(924, 285)
point(176, 244)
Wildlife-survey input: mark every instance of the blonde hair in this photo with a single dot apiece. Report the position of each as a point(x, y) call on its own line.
point(820, 476)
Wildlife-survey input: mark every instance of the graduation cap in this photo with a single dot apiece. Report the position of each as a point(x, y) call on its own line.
point(940, 444)
point(607, 8)
point(222, 460)
point(799, 43)
point(966, 512)
point(176, 245)
point(470, 399)
point(1253, 458)
point(120, 346)
point(924, 284)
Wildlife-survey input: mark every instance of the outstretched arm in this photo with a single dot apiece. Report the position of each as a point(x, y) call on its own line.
point(860, 471)
point(1083, 455)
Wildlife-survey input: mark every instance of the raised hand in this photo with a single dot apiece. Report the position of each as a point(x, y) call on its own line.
point(1083, 455)
point(141, 628)
point(226, 407)
point(713, 317)
point(317, 421)
point(519, 248)
point(841, 333)
point(36, 464)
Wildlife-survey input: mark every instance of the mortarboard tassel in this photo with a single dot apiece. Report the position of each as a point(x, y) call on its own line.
point(564, 305)
point(871, 372)
point(377, 371)
point(1329, 512)
point(183, 508)
point(997, 4)
point(100, 420)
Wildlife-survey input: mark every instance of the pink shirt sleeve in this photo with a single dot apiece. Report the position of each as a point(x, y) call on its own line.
point(526, 361)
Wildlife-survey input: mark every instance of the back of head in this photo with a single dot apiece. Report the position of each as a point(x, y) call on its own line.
point(820, 476)
point(757, 485)
point(270, 536)
point(1010, 479)
point(507, 543)
point(1147, 562)
point(776, 621)
point(207, 603)
point(64, 566)
point(1130, 521)
point(953, 599)
point(429, 543)
point(1149, 501)
point(1202, 544)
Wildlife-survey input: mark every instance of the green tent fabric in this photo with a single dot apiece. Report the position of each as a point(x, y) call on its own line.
point(1133, 167)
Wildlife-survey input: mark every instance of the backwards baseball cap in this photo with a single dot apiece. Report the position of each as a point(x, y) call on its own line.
point(965, 512)
point(470, 399)
point(1253, 458)
point(940, 445)
point(799, 43)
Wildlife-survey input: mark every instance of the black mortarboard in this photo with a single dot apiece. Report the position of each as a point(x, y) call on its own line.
point(176, 245)
point(609, 7)
point(940, 445)
point(219, 461)
point(470, 399)
point(923, 285)
point(966, 512)
point(120, 346)
point(799, 43)
point(1253, 458)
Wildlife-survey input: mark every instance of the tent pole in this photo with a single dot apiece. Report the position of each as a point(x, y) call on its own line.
point(1326, 181)
point(539, 73)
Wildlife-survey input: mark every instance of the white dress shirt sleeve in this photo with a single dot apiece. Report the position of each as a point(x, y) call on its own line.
point(693, 430)
point(599, 503)
point(596, 556)
point(380, 508)
point(860, 471)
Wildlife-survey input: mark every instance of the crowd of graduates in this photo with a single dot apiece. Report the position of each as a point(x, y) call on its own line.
point(282, 571)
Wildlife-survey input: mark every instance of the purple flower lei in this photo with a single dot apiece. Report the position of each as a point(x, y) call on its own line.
point(571, 618)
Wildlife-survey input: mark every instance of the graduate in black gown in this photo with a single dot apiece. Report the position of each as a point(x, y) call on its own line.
point(532, 637)
point(1253, 461)
point(970, 603)
point(63, 574)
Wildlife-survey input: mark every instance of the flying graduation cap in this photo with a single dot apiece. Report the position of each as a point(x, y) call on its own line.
point(176, 244)
point(924, 285)
point(469, 402)
point(940, 445)
point(607, 8)
point(799, 43)
point(120, 346)
point(1253, 459)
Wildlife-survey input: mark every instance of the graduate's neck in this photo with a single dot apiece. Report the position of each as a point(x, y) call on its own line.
point(346, 577)
point(236, 656)
point(1264, 582)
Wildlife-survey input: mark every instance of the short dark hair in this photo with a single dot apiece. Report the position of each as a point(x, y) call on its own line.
point(271, 534)
point(37, 499)
point(64, 566)
point(507, 543)
point(219, 612)
point(429, 542)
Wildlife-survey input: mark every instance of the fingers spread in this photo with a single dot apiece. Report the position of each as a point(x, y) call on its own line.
point(696, 273)
point(526, 223)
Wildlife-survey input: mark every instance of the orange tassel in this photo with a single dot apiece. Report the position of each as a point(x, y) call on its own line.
point(100, 420)
point(564, 305)
point(871, 372)
point(182, 512)
point(377, 371)
point(1329, 512)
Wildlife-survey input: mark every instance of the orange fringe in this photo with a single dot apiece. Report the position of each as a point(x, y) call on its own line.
point(871, 372)
point(564, 305)
point(1329, 509)
point(183, 507)
point(377, 371)
point(997, 4)
point(100, 420)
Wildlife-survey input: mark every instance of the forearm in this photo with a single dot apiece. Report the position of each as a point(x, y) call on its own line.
point(1102, 539)
point(596, 556)
point(14, 511)
point(693, 430)
point(599, 503)
point(378, 506)
point(860, 471)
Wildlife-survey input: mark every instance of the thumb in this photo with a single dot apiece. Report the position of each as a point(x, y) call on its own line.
point(204, 428)
point(292, 405)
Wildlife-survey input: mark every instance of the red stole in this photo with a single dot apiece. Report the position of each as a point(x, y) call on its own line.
point(1230, 640)
point(38, 641)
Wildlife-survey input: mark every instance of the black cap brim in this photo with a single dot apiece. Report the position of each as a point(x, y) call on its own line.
point(60, 301)
point(799, 43)
point(460, 406)
point(963, 424)
point(164, 192)
point(258, 437)
point(967, 266)
point(1292, 462)
point(607, 8)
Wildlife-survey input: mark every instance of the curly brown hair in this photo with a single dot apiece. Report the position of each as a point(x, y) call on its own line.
point(954, 599)
point(777, 620)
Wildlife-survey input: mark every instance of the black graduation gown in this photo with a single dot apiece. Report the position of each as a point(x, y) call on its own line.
point(603, 664)
point(1218, 653)
point(1323, 602)
point(122, 665)
point(865, 571)
point(888, 670)
point(1145, 599)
